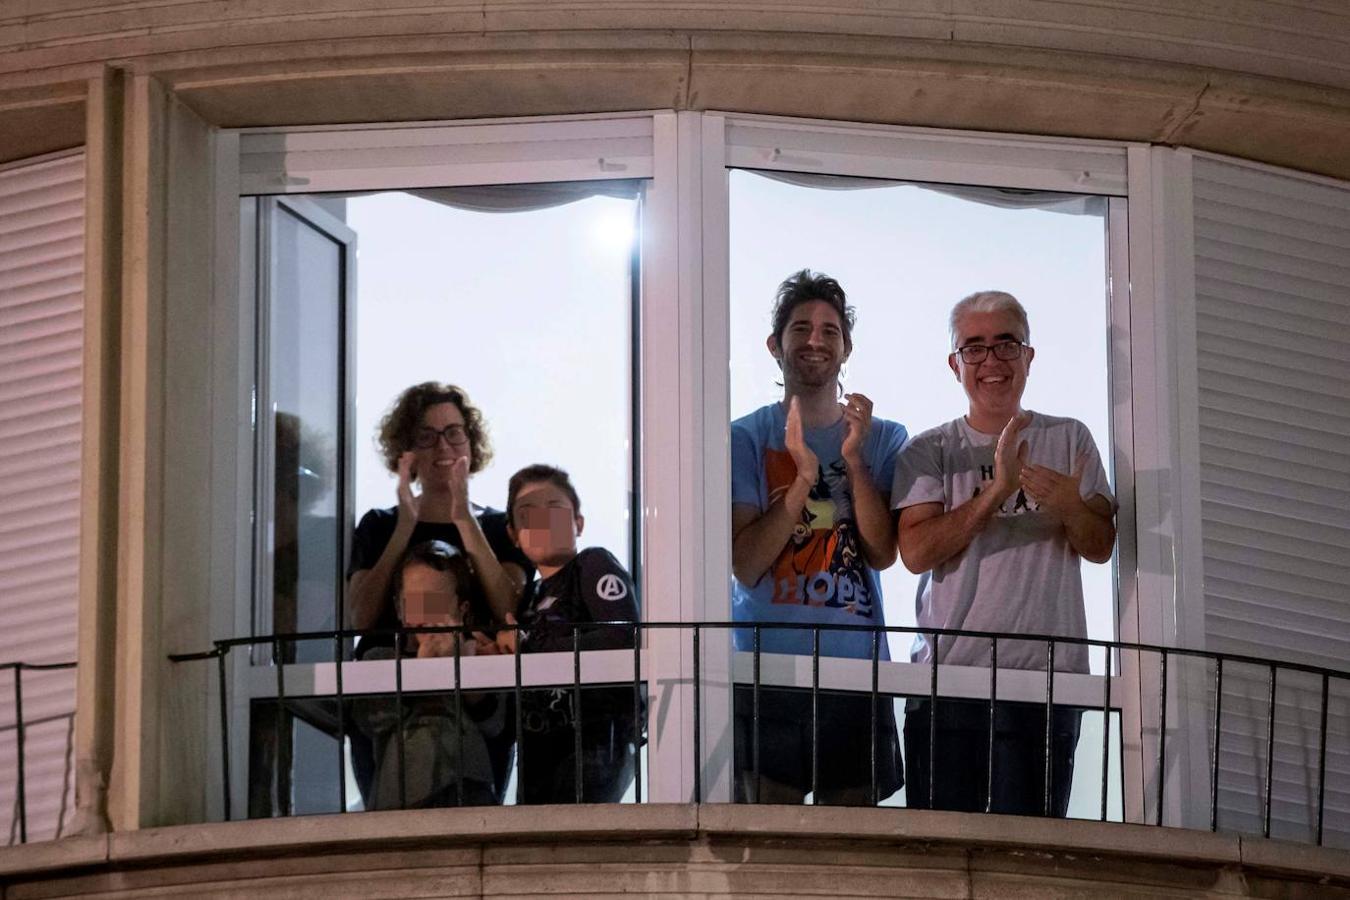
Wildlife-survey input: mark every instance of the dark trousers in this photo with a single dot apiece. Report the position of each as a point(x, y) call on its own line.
point(842, 740)
point(549, 763)
point(962, 752)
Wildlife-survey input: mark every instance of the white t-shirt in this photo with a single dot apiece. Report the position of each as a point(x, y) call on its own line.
point(1019, 574)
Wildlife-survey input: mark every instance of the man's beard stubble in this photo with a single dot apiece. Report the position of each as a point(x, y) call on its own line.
point(809, 377)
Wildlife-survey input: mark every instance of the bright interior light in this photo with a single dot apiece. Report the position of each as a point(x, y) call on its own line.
point(613, 230)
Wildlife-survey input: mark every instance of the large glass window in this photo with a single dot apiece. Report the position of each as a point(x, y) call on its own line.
point(905, 253)
point(535, 299)
point(522, 296)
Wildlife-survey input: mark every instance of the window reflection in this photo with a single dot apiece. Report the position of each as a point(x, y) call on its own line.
point(304, 294)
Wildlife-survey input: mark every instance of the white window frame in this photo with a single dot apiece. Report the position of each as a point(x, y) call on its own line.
point(1168, 572)
point(365, 158)
point(685, 560)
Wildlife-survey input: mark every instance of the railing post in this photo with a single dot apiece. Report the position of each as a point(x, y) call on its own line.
point(520, 726)
point(1106, 728)
point(1049, 725)
point(283, 798)
point(1270, 751)
point(754, 716)
point(1218, 740)
point(341, 723)
point(637, 715)
point(698, 722)
point(576, 711)
point(19, 738)
point(876, 681)
point(932, 721)
point(1322, 758)
point(993, 700)
point(459, 722)
point(1162, 733)
point(815, 715)
point(398, 714)
point(221, 653)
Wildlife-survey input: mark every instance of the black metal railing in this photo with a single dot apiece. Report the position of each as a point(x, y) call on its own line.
point(1166, 659)
point(20, 727)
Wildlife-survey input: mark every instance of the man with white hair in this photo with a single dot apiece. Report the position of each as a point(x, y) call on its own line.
point(998, 506)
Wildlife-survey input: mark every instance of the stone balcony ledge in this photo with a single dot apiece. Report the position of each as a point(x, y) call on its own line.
point(671, 849)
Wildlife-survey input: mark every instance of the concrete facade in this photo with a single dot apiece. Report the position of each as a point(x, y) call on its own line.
point(1254, 78)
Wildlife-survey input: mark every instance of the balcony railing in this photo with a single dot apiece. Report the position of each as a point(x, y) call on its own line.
point(754, 670)
point(19, 725)
point(1119, 656)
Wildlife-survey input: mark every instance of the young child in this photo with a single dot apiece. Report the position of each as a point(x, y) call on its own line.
point(544, 519)
point(435, 585)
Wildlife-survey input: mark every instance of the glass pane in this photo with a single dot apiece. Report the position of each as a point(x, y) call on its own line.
point(306, 298)
point(530, 311)
point(905, 254)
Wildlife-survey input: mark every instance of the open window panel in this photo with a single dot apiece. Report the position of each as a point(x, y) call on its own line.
point(501, 259)
point(909, 224)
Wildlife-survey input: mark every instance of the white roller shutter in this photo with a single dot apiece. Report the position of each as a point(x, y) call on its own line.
point(1272, 273)
point(41, 329)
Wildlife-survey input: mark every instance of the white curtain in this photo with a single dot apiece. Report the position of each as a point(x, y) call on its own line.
point(1004, 198)
point(526, 197)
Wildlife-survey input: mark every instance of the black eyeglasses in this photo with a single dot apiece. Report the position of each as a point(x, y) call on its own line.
point(454, 435)
point(1004, 350)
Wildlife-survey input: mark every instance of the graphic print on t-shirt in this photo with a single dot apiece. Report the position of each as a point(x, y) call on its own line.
point(822, 564)
point(1016, 505)
point(610, 587)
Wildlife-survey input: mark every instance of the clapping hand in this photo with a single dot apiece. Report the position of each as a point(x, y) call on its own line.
point(1054, 491)
point(1010, 456)
point(440, 643)
point(508, 639)
point(808, 467)
point(858, 415)
point(409, 504)
point(460, 508)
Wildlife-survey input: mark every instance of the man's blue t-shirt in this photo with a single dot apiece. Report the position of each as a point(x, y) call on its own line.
point(821, 576)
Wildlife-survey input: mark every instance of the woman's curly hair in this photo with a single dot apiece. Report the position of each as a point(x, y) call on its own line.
point(399, 425)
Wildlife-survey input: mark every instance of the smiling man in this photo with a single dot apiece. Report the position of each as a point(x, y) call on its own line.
point(811, 527)
point(998, 505)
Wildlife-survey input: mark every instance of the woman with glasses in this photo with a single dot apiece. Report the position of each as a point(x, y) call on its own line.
point(433, 439)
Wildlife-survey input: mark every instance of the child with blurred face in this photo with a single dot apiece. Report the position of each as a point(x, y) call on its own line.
point(437, 586)
point(431, 597)
point(447, 745)
point(574, 587)
point(546, 525)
